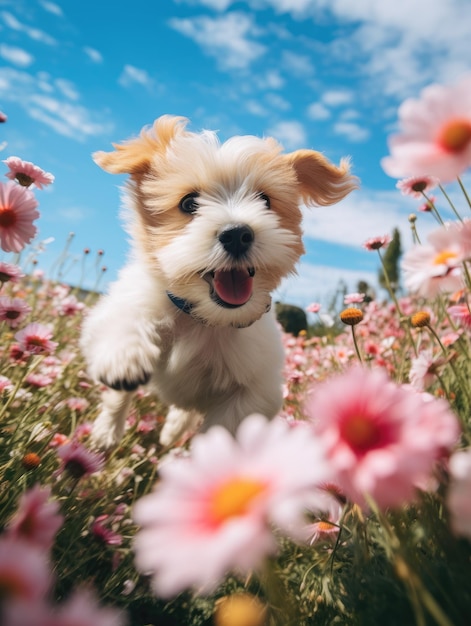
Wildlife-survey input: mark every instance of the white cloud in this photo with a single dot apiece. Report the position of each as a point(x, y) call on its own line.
point(278, 102)
point(226, 37)
point(131, 75)
point(43, 100)
point(15, 55)
point(365, 214)
point(318, 111)
point(33, 33)
point(318, 283)
point(255, 108)
point(93, 54)
point(67, 88)
point(70, 120)
point(297, 64)
point(52, 7)
point(291, 134)
point(337, 97)
point(352, 131)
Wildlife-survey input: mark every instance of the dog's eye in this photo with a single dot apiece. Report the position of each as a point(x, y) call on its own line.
point(189, 203)
point(266, 199)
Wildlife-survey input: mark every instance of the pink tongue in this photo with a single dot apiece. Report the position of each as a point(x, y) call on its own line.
point(233, 286)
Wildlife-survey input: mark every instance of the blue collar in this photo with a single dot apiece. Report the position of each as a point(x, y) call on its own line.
point(180, 303)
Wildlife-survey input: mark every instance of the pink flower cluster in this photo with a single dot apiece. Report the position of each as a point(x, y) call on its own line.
point(215, 511)
point(18, 206)
point(25, 575)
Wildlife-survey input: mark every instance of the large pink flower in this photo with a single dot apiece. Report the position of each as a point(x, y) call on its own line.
point(24, 571)
point(17, 213)
point(459, 493)
point(438, 265)
point(26, 173)
point(213, 512)
point(435, 135)
point(382, 439)
point(37, 519)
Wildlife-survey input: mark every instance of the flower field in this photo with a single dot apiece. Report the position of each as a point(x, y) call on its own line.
point(352, 507)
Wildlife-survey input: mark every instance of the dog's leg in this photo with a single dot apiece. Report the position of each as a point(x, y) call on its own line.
point(177, 422)
point(109, 425)
point(266, 401)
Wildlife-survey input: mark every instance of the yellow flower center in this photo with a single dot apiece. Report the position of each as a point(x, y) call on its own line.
point(361, 433)
point(455, 136)
point(326, 527)
point(234, 498)
point(351, 316)
point(7, 217)
point(444, 257)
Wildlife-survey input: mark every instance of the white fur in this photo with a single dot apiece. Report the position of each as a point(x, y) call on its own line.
point(216, 364)
point(222, 373)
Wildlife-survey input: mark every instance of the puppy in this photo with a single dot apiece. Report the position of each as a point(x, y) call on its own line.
point(214, 229)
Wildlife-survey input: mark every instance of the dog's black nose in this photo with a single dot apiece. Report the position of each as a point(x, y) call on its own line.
point(237, 240)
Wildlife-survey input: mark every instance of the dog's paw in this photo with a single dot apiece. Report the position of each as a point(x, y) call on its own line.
point(126, 368)
point(127, 384)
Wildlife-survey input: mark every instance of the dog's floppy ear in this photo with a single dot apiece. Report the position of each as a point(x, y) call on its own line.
point(321, 182)
point(133, 156)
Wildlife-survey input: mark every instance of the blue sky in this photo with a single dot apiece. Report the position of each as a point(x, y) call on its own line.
point(321, 74)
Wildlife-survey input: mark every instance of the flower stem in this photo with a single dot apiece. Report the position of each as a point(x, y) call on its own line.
point(468, 199)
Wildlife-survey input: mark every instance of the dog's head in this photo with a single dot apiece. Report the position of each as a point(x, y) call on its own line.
point(220, 223)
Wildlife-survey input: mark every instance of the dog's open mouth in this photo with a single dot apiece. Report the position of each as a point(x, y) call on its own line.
point(231, 288)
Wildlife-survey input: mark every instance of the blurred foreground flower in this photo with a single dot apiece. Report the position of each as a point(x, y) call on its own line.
point(459, 493)
point(37, 519)
point(17, 213)
point(213, 512)
point(435, 135)
point(383, 440)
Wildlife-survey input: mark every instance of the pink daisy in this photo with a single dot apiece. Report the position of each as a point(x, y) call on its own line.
point(24, 571)
point(37, 518)
point(10, 273)
point(417, 186)
point(5, 384)
point(461, 314)
point(381, 439)
point(213, 512)
point(103, 533)
point(423, 371)
point(13, 311)
point(435, 134)
point(69, 306)
point(26, 173)
point(38, 380)
point(354, 298)
point(17, 213)
point(78, 461)
point(458, 499)
point(314, 307)
point(375, 243)
point(437, 266)
point(36, 339)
